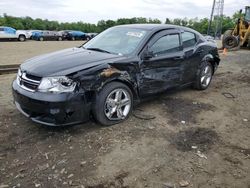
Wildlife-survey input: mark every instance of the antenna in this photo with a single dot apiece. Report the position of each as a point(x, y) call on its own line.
point(216, 17)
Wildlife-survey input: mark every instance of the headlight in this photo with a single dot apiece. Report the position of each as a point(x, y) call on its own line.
point(18, 76)
point(19, 73)
point(58, 84)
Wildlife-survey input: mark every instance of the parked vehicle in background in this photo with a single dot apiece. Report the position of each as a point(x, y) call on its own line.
point(64, 34)
point(32, 32)
point(105, 77)
point(209, 38)
point(75, 35)
point(11, 33)
point(47, 35)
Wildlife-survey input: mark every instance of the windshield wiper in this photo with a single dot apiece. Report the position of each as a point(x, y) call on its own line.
point(99, 50)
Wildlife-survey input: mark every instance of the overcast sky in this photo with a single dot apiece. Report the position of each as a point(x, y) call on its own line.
point(94, 10)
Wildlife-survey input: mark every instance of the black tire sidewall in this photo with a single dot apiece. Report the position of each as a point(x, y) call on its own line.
point(100, 99)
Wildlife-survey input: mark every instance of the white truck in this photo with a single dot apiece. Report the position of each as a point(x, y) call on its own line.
point(9, 33)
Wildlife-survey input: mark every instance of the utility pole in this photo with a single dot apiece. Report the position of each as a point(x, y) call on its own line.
point(217, 17)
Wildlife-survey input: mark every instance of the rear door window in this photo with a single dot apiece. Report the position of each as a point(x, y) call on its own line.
point(188, 39)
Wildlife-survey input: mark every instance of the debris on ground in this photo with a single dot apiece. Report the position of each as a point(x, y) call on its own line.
point(168, 185)
point(201, 155)
point(228, 95)
point(183, 183)
point(245, 120)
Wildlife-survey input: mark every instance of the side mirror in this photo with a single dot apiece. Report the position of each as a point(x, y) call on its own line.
point(147, 54)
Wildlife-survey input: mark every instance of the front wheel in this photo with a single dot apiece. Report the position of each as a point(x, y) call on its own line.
point(21, 38)
point(41, 39)
point(204, 76)
point(113, 104)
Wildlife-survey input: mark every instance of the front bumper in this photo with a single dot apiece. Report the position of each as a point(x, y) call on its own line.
point(51, 109)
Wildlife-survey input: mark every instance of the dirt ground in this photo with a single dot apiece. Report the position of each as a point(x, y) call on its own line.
point(187, 138)
point(29, 49)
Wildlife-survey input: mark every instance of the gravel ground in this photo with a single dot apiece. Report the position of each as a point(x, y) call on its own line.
point(193, 138)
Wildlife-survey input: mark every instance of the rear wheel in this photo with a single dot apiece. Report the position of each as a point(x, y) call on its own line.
point(113, 104)
point(204, 77)
point(73, 38)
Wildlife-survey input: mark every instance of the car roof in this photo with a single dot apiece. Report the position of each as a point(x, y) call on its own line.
point(155, 27)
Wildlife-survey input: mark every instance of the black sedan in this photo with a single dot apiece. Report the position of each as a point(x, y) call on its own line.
point(109, 74)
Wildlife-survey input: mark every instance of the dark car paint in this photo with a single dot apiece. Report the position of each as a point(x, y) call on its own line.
point(66, 61)
point(50, 109)
point(92, 70)
point(70, 35)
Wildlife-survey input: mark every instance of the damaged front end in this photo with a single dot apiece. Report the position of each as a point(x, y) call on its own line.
point(50, 100)
point(93, 79)
point(62, 100)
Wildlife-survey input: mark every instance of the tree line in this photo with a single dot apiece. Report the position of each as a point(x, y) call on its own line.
point(28, 23)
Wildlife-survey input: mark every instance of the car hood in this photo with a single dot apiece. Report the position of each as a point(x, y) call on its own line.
point(66, 62)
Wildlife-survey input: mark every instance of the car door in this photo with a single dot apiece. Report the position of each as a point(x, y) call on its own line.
point(162, 58)
point(192, 57)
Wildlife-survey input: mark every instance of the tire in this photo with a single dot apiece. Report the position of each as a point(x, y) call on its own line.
point(41, 38)
point(88, 38)
point(73, 38)
point(227, 33)
point(230, 42)
point(108, 108)
point(204, 76)
point(59, 39)
point(21, 38)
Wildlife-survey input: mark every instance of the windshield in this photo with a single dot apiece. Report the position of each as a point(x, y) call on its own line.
point(117, 40)
point(247, 16)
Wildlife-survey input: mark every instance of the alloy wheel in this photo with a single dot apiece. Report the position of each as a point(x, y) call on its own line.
point(117, 104)
point(206, 76)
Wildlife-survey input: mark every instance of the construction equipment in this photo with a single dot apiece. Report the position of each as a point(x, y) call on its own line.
point(240, 35)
